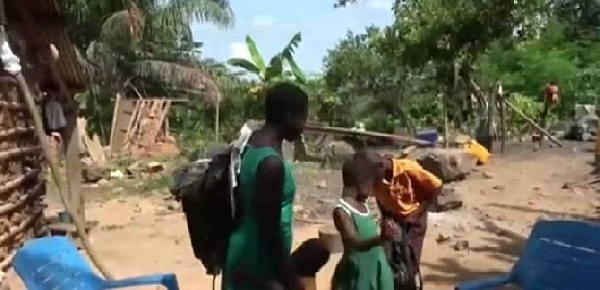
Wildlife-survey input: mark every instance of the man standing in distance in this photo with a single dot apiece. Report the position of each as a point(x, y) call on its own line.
point(260, 247)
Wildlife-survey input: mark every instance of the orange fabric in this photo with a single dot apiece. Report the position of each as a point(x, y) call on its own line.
point(481, 154)
point(410, 185)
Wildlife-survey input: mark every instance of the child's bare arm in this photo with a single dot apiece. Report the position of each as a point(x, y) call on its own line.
point(345, 226)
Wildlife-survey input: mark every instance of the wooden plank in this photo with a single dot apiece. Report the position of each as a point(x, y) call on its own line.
point(113, 125)
point(99, 148)
point(72, 164)
point(96, 154)
point(134, 123)
point(124, 116)
point(81, 129)
point(160, 119)
point(149, 128)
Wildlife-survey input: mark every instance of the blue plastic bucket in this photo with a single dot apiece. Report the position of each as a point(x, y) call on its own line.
point(429, 135)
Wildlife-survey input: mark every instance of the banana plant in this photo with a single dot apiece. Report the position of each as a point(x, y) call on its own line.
point(275, 70)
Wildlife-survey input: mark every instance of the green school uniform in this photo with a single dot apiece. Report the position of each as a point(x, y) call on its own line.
point(247, 251)
point(363, 270)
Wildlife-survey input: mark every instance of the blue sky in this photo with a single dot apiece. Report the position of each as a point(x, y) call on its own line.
point(273, 22)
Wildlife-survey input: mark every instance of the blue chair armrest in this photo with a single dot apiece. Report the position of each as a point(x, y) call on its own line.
point(486, 283)
point(167, 280)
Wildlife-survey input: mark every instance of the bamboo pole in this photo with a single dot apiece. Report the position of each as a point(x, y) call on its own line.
point(12, 66)
point(530, 121)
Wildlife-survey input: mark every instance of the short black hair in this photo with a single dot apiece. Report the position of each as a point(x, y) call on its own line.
point(284, 100)
point(356, 172)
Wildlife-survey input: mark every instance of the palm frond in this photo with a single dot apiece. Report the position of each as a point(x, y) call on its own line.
point(123, 27)
point(288, 55)
point(290, 48)
point(245, 64)
point(255, 54)
point(178, 76)
point(217, 12)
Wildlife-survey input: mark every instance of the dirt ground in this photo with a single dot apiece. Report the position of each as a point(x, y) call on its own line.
point(143, 234)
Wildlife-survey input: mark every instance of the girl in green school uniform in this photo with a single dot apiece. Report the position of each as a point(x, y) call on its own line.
point(364, 265)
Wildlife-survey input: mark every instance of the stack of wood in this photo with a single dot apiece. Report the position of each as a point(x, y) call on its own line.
point(21, 184)
point(138, 125)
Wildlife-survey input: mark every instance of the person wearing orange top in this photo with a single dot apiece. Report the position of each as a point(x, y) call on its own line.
point(403, 194)
point(551, 100)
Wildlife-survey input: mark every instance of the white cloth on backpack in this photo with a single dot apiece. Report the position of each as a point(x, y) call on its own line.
point(236, 154)
point(236, 161)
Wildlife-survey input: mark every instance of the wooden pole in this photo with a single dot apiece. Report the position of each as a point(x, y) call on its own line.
point(72, 151)
point(217, 117)
point(530, 121)
point(445, 114)
point(491, 116)
point(503, 128)
point(597, 151)
point(113, 126)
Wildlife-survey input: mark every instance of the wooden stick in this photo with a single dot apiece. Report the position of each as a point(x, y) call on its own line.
point(530, 121)
point(113, 129)
point(503, 127)
point(347, 131)
point(491, 118)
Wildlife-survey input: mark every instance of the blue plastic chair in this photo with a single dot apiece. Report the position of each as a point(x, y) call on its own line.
point(559, 255)
point(55, 264)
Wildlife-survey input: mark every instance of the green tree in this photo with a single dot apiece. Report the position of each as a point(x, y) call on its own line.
point(369, 88)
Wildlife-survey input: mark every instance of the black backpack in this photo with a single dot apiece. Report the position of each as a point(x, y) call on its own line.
point(210, 209)
point(402, 259)
point(407, 275)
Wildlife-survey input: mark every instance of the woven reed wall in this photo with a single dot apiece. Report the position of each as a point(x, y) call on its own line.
point(22, 187)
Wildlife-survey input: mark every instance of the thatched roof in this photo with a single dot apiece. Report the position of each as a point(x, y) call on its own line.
point(181, 77)
point(48, 26)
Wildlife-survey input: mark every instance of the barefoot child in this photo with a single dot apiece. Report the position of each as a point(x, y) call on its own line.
point(363, 265)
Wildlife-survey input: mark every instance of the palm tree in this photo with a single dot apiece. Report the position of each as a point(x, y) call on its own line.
point(90, 20)
point(149, 39)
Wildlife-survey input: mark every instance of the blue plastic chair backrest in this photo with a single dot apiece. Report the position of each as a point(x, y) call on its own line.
point(560, 255)
point(54, 263)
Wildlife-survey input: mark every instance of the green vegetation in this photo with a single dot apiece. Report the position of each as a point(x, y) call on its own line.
point(387, 77)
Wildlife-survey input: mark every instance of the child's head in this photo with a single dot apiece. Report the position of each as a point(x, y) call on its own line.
point(359, 175)
point(374, 159)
